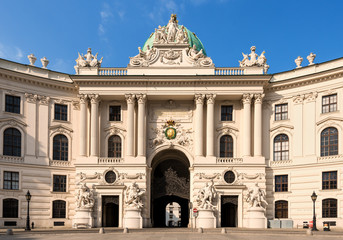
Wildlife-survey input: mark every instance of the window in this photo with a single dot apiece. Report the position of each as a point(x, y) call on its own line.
point(110, 177)
point(61, 112)
point(281, 209)
point(329, 208)
point(59, 209)
point(226, 146)
point(226, 113)
point(281, 183)
point(329, 142)
point(60, 148)
point(10, 208)
point(281, 147)
point(114, 146)
point(12, 104)
point(59, 183)
point(11, 180)
point(329, 103)
point(281, 112)
point(115, 113)
point(229, 177)
point(12, 142)
point(329, 180)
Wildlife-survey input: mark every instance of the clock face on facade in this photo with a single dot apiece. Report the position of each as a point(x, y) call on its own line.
point(170, 133)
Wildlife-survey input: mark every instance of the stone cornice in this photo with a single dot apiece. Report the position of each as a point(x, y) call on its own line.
point(36, 80)
point(305, 80)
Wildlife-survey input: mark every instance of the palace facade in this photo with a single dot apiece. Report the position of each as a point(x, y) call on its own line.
point(170, 122)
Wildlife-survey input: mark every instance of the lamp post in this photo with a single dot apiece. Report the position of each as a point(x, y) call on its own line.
point(28, 198)
point(314, 198)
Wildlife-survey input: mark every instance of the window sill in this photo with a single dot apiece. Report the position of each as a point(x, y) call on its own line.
point(282, 120)
point(55, 192)
point(61, 121)
point(11, 190)
point(322, 114)
point(330, 190)
point(228, 121)
point(288, 192)
point(14, 114)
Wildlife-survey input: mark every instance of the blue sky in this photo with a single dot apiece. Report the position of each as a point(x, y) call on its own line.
point(60, 29)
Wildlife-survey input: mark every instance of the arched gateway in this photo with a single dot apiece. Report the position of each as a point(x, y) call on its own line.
point(169, 183)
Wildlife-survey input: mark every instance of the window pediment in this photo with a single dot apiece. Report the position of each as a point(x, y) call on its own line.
point(281, 126)
point(227, 129)
point(12, 122)
point(60, 129)
point(331, 118)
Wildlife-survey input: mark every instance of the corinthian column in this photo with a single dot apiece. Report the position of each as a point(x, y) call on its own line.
point(210, 125)
point(141, 126)
point(199, 122)
point(83, 124)
point(258, 125)
point(95, 99)
point(247, 124)
point(130, 99)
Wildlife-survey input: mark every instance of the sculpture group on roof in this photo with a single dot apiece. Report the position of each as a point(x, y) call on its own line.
point(172, 33)
point(255, 60)
point(88, 60)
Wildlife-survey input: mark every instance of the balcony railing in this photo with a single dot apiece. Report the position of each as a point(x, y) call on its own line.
point(106, 160)
point(333, 158)
point(12, 159)
point(113, 71)
point(229, 160)
point(280, 163)
point(60, 163)
point(229, 71)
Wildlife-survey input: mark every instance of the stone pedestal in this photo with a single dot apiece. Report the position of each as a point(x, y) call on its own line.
point(257, 218)
point(83, 218)
point(206, 219)
point(133, 218)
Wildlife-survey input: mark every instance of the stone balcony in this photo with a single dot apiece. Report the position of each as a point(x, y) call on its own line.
point(107, 160)
point(229, 160)
point(280, 163)
point(11, 159)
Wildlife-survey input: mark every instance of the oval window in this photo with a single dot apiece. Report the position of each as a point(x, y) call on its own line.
point(110, 177)
point(229, 177)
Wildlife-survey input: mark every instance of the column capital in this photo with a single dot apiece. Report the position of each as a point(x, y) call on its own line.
point(258, 98)
point(83, 97)
point(210, 98)
point(130, 98)
point(95, 98)
point(247, 98)
point(199, 98)
point(141, 98)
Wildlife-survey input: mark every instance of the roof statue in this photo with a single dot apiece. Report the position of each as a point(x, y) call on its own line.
point(172, 45)
point(255, 60)
point(88, 60)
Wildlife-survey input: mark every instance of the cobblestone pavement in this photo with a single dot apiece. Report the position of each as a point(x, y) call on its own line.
point(170, 234)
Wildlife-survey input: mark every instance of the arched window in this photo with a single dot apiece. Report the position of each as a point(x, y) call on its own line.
point(329, 208)
point(58, 209)
point(10, 208)
point(281, 147)
point(226, 146)
point(60, 148)
point(12, 142)
point(329, 142)
point(281, 209)
point(114, 146)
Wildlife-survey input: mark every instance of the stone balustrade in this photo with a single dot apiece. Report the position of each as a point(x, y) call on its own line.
point(280, 163)
point(11, 159)
point(113, 71)
point(333, 158)
point(229, 160)
point(107, 160)
point(229, 71)
point(60, 163)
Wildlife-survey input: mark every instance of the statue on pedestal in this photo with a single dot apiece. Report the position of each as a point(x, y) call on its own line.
point(206, 196)
point(256, 197)
point(84, 197)
point(133, 196)
point(88, 60)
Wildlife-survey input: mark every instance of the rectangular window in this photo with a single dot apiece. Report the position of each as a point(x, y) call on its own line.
point(60, 183)
point(281, 112)
point(12, 104)
point(329, 180)
point(115, 113)
point(226, 113)
point(61, 112)
point(11, 180)
point(281, 183)
point(329, 103)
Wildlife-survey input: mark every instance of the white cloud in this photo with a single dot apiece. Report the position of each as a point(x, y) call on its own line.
point(101, 29)
point(11, 52)
point(19, 54)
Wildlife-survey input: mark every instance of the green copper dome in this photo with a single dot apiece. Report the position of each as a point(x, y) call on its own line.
point(192, 40)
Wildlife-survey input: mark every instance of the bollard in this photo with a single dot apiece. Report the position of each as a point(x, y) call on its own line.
point(126, 230)
point(309, 232)
point(9, 232)
point(223, 230)
point(32, 225)
point(101, 231)
point(200, 230)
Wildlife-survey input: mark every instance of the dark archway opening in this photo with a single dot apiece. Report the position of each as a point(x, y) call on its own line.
point(169, 183)
point(229, 206)
point(110, 211)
